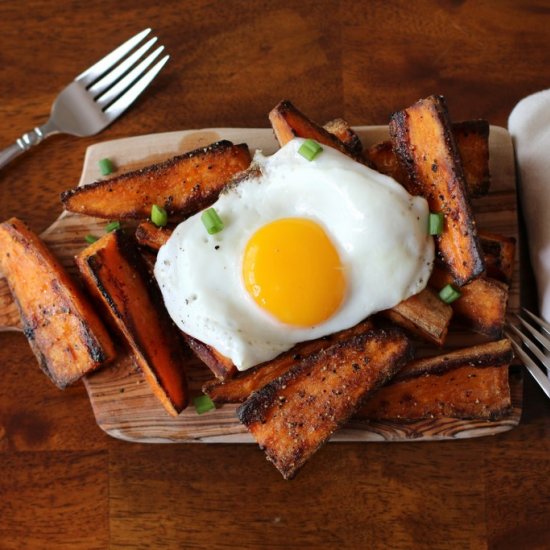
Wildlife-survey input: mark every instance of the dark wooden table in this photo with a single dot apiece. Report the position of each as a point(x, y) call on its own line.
point(63, 482)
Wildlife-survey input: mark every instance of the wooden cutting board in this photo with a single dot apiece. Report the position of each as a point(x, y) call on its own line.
point(123, 404)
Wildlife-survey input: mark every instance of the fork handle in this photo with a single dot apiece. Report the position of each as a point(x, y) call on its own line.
point(25, 142)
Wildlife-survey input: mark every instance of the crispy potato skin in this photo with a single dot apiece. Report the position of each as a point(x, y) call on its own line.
point(468, 383)
point(238, 389)
point(482, 304)
point(64, 332)
point(472, 140)
point(292, 416)
point(424, 144)
point(424, 315)
point(288, 123)
point(115, 275)
point(182, 185)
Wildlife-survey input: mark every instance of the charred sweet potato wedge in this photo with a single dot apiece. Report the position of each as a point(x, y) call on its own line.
point(383, 160)
point(151, 236)
point(182, 185)
point(115, 275)
point(482, 303)
point(64, 332)
point(472, 140)
point(423, 141)
point(221, 366)
point(499, 253)
point(424, 315)
point(288, 123)
point(238, 389)
point(345, 133)
point(292, 416)
point(467, 383)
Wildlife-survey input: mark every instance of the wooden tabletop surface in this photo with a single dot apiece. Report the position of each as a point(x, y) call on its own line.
point(63, 482)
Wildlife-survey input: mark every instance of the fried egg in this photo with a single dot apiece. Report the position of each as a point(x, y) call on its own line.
point(308, 248)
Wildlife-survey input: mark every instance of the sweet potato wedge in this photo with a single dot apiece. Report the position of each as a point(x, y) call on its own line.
point(344, 132)
point(292, 416)
point(64, 332)
point(221, 366)
point(424, 315)
point(472, 140)
point(182, 185)
point(238, 389)
point(482, 304)
point(151, 236)
point(499, 253)
point(424, 144)
point(115, 275)
point(288, 123)
point(467, 383)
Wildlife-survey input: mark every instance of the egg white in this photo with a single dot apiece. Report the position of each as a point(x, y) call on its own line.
point(379, 230)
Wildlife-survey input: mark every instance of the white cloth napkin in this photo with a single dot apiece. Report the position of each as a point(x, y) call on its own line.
point(529, 124)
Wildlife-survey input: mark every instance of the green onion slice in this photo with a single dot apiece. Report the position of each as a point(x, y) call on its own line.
point(203, 404)
point(159, 216)
point(435, 223)
point(106, 167)
point(309, 149)
point(91, 239)
point(212, 221)
point(112, 226)
point(449, 294)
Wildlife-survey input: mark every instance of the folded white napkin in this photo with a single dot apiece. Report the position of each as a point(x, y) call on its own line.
point(529, 124)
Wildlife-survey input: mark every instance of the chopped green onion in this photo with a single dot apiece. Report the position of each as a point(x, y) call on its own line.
point(203, 404)
point(159, 216)
point(309, 149)
point(212, 221)
point(106, 167)
point(112, 226)
point(435, 223)
point(91, 239)
point(449, 294)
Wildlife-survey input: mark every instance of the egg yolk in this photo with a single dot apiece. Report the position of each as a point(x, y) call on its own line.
point(292, 270)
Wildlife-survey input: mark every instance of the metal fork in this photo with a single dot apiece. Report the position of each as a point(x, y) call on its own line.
point(98, 96)
point(530, 340)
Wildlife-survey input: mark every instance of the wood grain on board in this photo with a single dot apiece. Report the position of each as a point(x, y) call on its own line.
point(123, 403)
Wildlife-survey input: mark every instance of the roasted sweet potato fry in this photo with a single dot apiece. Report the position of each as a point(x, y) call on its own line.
point(472, 139)
point(182, 185)
point(115, 275)
point(222, 367)
point(482, 304)
point(288, 123)
point(468, 383)
point(383, 160)
point(499, 253)
point(292, 416)
point(424, 144)
point(64, 332)
point(151, 236)
point(238, 389)
point(424, 314)
point(344, 132)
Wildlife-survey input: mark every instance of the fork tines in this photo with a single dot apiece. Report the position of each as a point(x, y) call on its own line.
point(117, 79)
point(531, 341)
